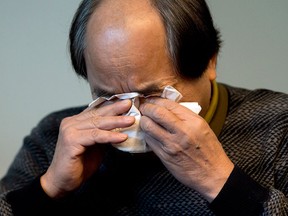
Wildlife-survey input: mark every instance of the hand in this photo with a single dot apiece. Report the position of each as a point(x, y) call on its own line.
point(79, 149)
point(186, 145)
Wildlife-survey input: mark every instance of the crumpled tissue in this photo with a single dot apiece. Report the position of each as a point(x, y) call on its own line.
point(136, 142)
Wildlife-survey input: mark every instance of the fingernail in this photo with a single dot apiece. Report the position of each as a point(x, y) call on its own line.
point(129, 119)
point(124, 136)
point(124, 102)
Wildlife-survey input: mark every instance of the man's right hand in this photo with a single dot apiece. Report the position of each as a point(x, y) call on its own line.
point(79, 149)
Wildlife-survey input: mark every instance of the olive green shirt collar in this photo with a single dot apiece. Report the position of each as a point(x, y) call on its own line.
point(217, 110)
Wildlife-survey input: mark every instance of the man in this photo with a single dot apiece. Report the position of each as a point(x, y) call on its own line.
point(231, 159)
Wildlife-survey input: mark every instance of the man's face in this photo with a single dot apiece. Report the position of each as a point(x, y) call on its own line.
point(126, 52)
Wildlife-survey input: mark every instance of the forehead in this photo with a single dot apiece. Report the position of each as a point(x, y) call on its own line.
point(122, 13)
point(126, 48)
point(123, 23)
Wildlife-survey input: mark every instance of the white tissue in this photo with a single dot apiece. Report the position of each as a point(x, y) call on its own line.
point(135, 142)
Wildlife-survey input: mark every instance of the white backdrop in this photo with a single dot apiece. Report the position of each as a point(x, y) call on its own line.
point(37, 78)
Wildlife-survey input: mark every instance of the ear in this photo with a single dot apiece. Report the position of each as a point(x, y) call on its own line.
point(211, 72)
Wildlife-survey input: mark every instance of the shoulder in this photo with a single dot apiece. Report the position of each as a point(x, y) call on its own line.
point(258, 100)
point(43, 137)
point(260, 110)
point(49, 125)
point(59, 115)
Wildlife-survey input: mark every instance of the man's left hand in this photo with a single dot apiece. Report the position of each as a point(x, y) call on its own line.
point(186, 145)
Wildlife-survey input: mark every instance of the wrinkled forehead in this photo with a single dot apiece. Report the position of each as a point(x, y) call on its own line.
point(126, 49)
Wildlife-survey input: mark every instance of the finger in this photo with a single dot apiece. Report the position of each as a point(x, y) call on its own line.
point(95, 136)
point(111, 109)
point(104, 123)
point(169, 104)
point(169, 143)
point(161, 116)
point(180, 111)
point(153, 143)
point(157, 147)
point(154, 130)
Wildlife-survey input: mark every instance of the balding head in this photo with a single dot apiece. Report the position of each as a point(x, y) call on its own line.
point(125, 36)
point(191, 38)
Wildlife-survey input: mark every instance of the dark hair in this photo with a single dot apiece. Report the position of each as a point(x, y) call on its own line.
point(192, 39)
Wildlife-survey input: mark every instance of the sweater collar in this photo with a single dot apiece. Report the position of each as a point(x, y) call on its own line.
point(217, 110)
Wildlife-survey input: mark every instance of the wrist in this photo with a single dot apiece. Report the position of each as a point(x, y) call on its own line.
point(49, 188)
point(216, 184)
point(240, 194)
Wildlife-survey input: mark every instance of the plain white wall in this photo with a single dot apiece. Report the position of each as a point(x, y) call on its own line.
point(37, 78)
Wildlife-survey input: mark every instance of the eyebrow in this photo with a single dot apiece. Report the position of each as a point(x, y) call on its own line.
point(101, 92)
point(151, 89)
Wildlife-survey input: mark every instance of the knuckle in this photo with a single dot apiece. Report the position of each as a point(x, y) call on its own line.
point(199, 123)
point(159, 114)
point(171, 150)
point(96, 135)
point(164, 156)
point(65, 122)
point(94, 113)
point(175, 144)
point(147, 125)
point(68, 135)
point(186, 143)
point(95, 122)
point(172, 154)
point(64, 125)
